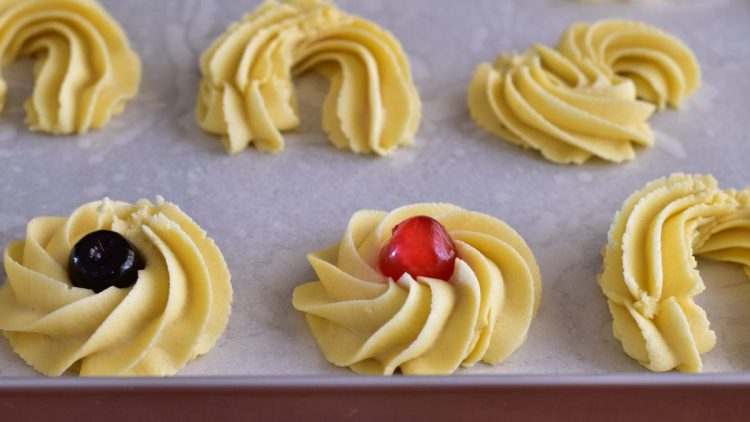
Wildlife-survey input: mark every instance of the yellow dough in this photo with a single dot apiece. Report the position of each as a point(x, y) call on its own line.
point(175, 311)
point(663, 69)
point(375, 325)
point(541, 100)
point(590, 96)
point(649, 274)
point(247, 94)
point(85, 71)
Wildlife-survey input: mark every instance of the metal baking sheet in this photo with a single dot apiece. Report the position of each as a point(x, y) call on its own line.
point(267, 211)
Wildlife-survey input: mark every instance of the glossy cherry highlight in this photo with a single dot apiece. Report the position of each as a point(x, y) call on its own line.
point(420, 246)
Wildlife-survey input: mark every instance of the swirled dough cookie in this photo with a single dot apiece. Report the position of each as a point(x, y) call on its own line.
point(175, 310)
point(582, 100)
point(542, 100)
point(85, 70)
point(663, 68)
point(649, 274)
point(247, 94)
point(474, 303)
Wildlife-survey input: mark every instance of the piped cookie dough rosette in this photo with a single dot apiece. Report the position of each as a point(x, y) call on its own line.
point(85, 70)
point(649, 273)
point(423, 289)
point(663, 68)
point(114, 289)
point(247, 93)
point(542, 100)
point(590, 97)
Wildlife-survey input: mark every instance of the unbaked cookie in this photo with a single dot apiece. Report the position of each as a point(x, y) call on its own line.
point(649, 273)
point(591, 97)
point(85, 70)
point(247, 94)
point(422, 289)
point(114, 289)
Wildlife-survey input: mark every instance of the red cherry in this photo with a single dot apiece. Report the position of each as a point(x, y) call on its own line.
point(419, 246)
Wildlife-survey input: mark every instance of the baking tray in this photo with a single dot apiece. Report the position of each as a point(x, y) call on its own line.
point(578, 398)
point(267, 211)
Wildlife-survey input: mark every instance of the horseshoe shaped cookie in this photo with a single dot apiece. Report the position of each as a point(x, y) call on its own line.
point(649, 272)
point(85, 70)
point(591, 96)
point(247, 94)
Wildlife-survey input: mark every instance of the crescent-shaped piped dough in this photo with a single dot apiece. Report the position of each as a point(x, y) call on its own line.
point(649, 273)
point(85, 70)
point(247, 95)
point(542, 100)
point(590, 97)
